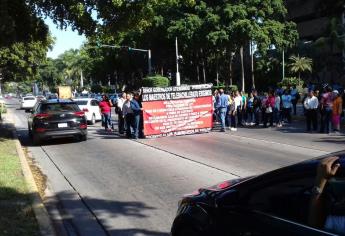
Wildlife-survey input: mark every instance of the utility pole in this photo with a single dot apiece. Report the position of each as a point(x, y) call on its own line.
point(178, 79)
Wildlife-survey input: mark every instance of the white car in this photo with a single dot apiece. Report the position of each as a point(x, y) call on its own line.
point(28, 102)
point(91, 109)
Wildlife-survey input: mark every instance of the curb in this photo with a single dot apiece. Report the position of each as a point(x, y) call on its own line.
point(44, 222)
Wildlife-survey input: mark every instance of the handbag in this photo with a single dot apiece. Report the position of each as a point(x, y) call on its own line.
point(269, 110)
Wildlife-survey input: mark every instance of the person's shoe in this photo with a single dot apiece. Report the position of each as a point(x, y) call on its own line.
point(222, 130)
point(234, 129)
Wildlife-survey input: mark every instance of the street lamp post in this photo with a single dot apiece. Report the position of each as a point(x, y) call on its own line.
point(178, 78)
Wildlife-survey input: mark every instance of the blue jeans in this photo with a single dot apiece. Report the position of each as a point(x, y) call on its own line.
point(107, 121)
point(136, 122)
point(276, 116)
point(222, 114)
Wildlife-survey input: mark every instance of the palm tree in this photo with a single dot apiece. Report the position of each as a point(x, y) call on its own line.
point(299, 65)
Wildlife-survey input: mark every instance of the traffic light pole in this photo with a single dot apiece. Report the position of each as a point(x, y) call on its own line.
point(134, 49)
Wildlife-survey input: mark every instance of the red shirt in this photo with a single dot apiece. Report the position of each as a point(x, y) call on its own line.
point(105, 107)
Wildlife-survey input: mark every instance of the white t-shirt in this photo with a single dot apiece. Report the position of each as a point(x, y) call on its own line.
point(335, 224)
point(238, 101)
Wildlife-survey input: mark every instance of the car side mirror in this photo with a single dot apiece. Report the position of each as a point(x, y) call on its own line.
point(228, 199)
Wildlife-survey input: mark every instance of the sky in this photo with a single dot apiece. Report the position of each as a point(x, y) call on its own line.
point(65, 39)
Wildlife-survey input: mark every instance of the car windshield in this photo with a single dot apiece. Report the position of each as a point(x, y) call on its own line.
point(81, 102)
point(59, 107)
point(30, 98)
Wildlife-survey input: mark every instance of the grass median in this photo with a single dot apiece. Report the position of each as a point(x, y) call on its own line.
point(16, 214)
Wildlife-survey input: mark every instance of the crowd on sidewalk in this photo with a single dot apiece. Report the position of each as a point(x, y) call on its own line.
point(129, 111)
point(322, 111)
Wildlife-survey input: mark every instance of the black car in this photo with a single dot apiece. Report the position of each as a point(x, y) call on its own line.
point(276, 203)
point(57, 119)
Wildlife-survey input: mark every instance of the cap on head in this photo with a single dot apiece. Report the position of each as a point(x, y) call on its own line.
point(335, 91)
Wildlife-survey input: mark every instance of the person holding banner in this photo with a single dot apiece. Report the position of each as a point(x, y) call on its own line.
point(222, 106)
point(128, 115)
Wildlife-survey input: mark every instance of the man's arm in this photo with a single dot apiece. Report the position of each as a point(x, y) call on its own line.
point(326, 170)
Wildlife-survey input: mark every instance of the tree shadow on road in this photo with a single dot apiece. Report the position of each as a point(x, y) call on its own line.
point(77, 213)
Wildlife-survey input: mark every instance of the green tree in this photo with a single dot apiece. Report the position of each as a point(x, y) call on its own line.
point(300, 65)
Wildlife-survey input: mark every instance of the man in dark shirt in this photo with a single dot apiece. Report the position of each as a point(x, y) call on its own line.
point(256, 107)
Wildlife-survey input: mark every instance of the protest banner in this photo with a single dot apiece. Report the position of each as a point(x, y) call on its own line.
point(181, 110)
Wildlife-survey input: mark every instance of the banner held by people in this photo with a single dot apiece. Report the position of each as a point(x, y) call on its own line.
point(180, 110)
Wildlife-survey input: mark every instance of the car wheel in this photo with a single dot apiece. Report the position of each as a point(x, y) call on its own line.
point(187, 232)
point(83, 137)
point(93, 119)
point(29, 131)
point(36, 140)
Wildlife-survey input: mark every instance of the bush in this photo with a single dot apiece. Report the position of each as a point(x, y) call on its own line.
point(156, 81)
point(288, 81)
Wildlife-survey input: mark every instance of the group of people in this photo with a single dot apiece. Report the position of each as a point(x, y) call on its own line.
point(233, 109)
point(129, 110)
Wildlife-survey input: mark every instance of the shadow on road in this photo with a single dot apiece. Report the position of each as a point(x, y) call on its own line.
point(103, 210)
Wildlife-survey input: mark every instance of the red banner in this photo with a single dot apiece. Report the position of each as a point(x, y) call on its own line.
point(179, 116)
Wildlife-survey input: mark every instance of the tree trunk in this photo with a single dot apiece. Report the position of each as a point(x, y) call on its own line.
point(242, 68)
point(197, 68)
point(252, 64)
point(203, 66)
point(217, 71)
point(230, 68)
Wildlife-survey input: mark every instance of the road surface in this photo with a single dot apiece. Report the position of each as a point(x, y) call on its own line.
point(109, 185)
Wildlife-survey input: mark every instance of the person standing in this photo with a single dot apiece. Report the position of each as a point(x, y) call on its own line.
point(256, 107)
point(250, 110)
point(222, 105)
point(105, 108)
point(244, 109)
point(138, 116)
point(276, 110)
point(128, 114)
point(311, 104)
point(326, 110)
point(238, 106)
point(269, 106)
point(118, 109)
point(337, 110)
point(294, 98)
point(286, 102)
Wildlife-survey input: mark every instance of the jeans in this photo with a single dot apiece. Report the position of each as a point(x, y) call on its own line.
point(222, 114)
point(121, 123)
point(268, 118)
point(276, 116)
point(129, 123)
point(287, 114)
point(136, 124)
point(250, 115)
point(257, 115)
point(107, 120)
point(326, 120)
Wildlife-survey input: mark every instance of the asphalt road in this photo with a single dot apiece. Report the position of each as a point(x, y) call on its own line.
point(113, 186)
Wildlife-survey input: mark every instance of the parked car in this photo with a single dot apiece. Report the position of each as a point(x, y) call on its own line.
point(91, 109)
point(57, 119)
point(275, 203)
point(28, 102)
